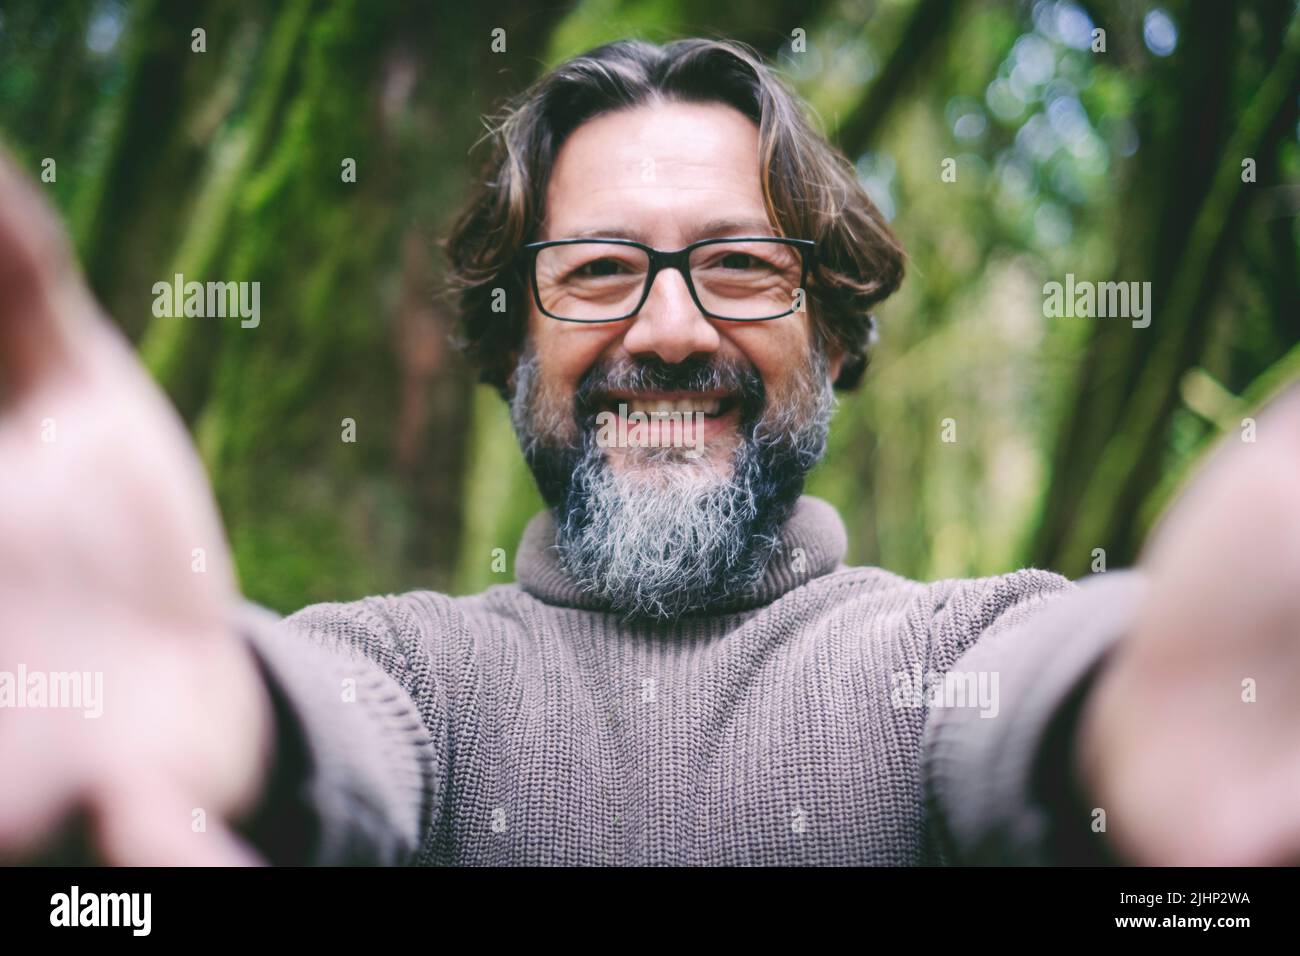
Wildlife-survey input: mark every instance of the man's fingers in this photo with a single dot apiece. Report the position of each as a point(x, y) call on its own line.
point(31, 815)
point(42, 297)
point(148, 823)
point(1244, 478)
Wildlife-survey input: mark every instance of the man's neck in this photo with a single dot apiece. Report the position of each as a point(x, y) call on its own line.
point(811, 543)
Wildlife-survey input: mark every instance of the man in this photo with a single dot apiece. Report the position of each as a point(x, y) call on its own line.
point(686, 672)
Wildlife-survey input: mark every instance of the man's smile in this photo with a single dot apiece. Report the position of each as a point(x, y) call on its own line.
point(712, 404)
point(654, 418)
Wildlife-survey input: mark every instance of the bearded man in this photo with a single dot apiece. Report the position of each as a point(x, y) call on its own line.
point(686, 671)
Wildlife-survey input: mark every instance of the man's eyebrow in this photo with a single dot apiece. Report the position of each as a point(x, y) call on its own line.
point(743, 226)
point(711, 229)
point(607, 232)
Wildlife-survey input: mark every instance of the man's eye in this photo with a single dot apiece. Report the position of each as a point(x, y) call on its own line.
point(736, 260)
point(598, 268)
point(739, 260)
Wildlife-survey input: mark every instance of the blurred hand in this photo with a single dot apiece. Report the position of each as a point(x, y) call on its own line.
point(103, 504)
point(1191, 742)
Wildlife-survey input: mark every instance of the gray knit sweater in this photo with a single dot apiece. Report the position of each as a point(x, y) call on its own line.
point(801, 724)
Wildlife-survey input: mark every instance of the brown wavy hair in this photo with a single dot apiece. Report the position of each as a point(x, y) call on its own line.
point(809, 188)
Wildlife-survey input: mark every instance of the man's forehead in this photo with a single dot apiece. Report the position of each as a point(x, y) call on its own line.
point(684, 168)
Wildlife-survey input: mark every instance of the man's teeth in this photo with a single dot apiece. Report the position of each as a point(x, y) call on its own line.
point(685, 406)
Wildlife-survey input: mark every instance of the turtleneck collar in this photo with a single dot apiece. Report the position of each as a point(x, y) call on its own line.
point(812, 543)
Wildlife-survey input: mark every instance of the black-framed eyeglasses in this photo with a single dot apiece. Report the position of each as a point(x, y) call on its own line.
point(745, 279)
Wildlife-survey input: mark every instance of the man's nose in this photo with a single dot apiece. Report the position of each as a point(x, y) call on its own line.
point(670, 324)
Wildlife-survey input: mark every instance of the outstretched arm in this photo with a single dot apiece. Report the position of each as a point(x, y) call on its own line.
point(1149, 716)
point(154, 710)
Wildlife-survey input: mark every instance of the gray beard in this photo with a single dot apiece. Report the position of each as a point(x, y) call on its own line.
point(677, 537)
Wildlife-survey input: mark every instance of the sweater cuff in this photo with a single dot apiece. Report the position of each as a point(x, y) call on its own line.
point(1001, 788)
point(353, 765)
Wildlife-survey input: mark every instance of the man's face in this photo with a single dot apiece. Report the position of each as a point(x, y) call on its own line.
point(666, 176)
point(662, 532)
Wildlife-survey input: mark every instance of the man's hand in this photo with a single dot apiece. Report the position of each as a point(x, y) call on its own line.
point(1191, 741)
point(113, 566)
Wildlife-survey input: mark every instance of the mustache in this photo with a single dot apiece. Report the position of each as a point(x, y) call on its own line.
point(652, 374)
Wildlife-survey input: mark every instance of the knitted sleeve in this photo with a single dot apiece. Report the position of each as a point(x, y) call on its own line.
point(997, 773)
point(361, 735)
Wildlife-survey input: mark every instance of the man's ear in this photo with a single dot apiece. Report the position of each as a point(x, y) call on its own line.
point(834, 361)
point(510, 378)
